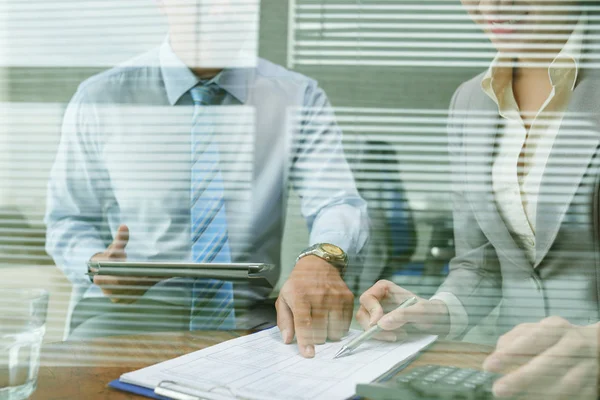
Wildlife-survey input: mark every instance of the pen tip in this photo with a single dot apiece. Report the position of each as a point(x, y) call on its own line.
point(340, 352)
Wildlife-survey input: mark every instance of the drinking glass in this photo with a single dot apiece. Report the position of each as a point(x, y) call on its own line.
point(22, 328)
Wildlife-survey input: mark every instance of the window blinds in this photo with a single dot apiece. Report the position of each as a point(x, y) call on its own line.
point(91, 33)
point(417, 137)
point(384, 33)
point(427, 33)
point(78, 33)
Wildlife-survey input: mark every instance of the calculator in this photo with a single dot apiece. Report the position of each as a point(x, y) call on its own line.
point(433, 382)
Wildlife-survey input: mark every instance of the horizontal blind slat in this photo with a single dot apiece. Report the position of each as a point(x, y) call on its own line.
point(351, 33)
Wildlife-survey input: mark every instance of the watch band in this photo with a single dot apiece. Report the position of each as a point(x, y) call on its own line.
point(319, 250)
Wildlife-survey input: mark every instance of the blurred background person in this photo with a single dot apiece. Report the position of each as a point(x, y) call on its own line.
point(393, 237)
point(523, 144)
point(186, 153)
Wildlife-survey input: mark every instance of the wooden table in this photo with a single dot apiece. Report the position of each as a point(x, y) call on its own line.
point(81, 370)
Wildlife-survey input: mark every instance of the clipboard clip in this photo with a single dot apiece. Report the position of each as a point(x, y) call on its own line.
point(165, 389)
point(178, 391)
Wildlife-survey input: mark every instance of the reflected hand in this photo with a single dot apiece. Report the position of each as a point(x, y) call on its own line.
point(552, 359)
point(120, 289)
point(429, 316)
point(314, 304)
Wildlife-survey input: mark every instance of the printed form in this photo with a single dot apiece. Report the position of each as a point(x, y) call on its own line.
point(261, 366)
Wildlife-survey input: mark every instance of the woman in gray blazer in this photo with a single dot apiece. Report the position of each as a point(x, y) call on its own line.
point(524, 142)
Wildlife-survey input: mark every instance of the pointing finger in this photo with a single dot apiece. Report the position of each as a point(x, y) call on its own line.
point(285, 320)
point(303, 325)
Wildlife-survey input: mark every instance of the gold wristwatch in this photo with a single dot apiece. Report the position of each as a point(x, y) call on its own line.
point(330, 253)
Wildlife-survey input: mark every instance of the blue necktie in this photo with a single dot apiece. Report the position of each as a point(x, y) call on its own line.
point(212, 300)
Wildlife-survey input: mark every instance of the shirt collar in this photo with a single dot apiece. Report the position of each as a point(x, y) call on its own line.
point(570, 56)
point(179, 79)
point(497, 78)
point(499, 74)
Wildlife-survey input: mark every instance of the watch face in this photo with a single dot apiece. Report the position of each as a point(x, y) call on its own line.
point(331, 249)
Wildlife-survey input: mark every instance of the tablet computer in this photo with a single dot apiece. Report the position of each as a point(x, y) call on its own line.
point(254, 273)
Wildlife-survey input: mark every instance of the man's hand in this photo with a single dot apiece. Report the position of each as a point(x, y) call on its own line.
point(314, 304)
point(120, 289)
point(552, 359)
point(378, 305)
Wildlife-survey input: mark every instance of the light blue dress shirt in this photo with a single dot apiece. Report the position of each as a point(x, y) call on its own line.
point(124, 158)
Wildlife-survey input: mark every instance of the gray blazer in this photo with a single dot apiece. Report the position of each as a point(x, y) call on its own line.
point(490, 269)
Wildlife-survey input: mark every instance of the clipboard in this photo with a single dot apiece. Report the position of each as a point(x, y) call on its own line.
point(172, 390)
point(256, 274)
point(139, 390)
point(168, 390)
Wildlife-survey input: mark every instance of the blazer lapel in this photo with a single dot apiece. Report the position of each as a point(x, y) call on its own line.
point(573, 150)
point(480, 131)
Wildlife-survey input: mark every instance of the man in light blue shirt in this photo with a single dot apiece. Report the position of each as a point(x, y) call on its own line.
point(120, 187)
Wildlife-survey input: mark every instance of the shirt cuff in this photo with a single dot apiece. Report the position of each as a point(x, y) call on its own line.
point(341, 240)
point(459, 320)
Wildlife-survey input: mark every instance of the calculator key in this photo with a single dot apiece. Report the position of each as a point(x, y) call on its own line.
point(464, 373)
point(434, 383)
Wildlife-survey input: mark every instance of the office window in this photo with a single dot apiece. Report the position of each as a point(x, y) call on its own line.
point(46, 33)
point(408, 135)
point(384, 33)
point(67, 33)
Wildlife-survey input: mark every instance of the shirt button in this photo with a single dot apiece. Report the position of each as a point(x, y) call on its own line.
point(531, 242)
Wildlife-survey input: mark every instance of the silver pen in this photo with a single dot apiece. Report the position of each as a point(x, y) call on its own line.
point(366, 335)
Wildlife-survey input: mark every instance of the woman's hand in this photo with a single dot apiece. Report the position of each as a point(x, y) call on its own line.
point(378, 305)
point(552, 359)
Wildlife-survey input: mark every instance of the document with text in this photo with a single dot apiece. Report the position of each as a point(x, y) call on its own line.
point(260, 366)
